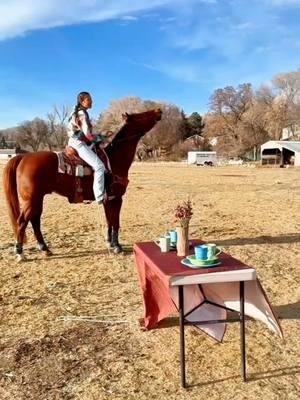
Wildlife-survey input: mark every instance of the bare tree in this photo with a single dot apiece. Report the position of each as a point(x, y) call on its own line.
point(288, 86)
point(274, 110)
point(231, 101)
point(254, 128)
point(57, 121)
point(227, 107)
point(33, 134)
point(165, 134)
point(278, 118)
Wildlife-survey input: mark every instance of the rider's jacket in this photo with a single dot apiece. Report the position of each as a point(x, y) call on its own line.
point(80, 126)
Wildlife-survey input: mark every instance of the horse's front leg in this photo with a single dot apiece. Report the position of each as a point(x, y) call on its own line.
point(112, 211)
point(108, 234)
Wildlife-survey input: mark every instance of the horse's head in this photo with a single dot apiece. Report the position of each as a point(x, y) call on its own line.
point(151, 114)
point(141, 123)
point(135, 126)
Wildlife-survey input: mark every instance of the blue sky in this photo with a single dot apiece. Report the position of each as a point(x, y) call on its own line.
point(178, 51)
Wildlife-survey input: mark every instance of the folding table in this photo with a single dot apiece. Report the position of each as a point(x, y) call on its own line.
point(202, 296)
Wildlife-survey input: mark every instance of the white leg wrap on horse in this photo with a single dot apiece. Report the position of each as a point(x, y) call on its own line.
point(20, 257)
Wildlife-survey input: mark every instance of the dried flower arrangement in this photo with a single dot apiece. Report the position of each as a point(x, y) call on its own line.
point(183, 213)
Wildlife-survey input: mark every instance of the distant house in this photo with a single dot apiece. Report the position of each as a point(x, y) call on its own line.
point(6, 154)
point(281, 152)
point(195, 141)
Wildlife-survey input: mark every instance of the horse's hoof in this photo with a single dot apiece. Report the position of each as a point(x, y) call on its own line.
point(21, 258)
point(118, 249)
point(47, 253)
point(109, 245)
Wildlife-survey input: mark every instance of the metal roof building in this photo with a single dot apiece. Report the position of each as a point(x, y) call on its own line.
point(280, 152)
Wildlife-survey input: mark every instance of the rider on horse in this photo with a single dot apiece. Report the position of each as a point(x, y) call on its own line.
point(80, 132)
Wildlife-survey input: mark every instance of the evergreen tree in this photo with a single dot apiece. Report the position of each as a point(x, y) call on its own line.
point(184, 126)
point(196, 124)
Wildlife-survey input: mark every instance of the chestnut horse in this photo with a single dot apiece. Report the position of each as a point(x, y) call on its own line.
point(33, 175)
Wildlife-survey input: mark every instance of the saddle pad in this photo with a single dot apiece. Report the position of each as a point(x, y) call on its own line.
point(68, 166)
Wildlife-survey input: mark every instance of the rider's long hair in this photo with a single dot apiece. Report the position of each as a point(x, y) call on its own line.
point(80, 97)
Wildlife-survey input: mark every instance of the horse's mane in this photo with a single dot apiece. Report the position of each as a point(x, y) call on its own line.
point(125, 127)
point(121, 133)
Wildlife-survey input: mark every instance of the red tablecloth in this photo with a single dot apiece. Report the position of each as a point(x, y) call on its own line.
point(155, 270)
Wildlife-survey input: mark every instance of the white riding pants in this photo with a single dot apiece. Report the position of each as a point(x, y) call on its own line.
point(90, 157)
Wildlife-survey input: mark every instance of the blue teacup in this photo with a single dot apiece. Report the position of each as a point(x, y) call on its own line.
point(173, 237)
point(201, 252)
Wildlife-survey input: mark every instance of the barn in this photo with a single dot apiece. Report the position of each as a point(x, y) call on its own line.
point(280, 153)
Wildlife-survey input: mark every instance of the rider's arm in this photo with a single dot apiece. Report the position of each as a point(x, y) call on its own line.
point(85, 127)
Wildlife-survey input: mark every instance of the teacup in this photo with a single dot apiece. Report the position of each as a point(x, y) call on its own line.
point(201, 252)
point(173, 237)
point(164, 243)
point(212, 251)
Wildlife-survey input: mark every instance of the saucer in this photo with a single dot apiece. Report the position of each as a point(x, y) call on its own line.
point(192, 258)
point(188, 263)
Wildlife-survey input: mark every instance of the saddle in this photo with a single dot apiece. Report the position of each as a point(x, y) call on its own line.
point(70, 163)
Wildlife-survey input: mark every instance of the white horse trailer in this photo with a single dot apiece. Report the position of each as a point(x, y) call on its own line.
point(208, 158)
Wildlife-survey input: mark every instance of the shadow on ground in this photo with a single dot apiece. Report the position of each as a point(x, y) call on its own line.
point(264, 239)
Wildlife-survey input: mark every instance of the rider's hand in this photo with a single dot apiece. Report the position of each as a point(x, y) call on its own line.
point(97, 139)
point(104, 144)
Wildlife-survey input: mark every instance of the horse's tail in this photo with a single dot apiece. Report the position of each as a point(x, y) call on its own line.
point(10, 190)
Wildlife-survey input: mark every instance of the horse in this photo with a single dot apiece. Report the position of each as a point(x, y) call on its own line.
point(31, 176)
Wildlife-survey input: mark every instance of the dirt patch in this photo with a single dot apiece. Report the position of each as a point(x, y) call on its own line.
point(47, 368)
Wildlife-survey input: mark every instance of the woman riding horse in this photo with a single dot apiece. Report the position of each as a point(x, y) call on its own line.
point(29, 177)
point(80, 132)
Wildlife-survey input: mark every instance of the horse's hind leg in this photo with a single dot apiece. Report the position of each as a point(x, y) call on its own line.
point(32, 212)
point(36, 225)
point(35, 219)
point(22, 225)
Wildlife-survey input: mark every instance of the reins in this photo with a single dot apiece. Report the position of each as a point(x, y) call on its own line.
point(114, 141)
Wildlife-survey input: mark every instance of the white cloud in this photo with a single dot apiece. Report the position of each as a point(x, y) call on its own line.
point(234, 30)
point(21, 16)
point(182, 71)
point(128, 18)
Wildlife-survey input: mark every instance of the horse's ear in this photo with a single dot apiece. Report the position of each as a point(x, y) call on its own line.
point(158, 112)
point(125, 117)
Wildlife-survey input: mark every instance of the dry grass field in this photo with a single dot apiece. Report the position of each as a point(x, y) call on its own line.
point(252, 213)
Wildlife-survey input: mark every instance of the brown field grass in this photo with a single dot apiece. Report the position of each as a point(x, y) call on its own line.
point(253, 213)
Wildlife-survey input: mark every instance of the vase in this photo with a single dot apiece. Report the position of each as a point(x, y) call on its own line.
point(182, 240)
